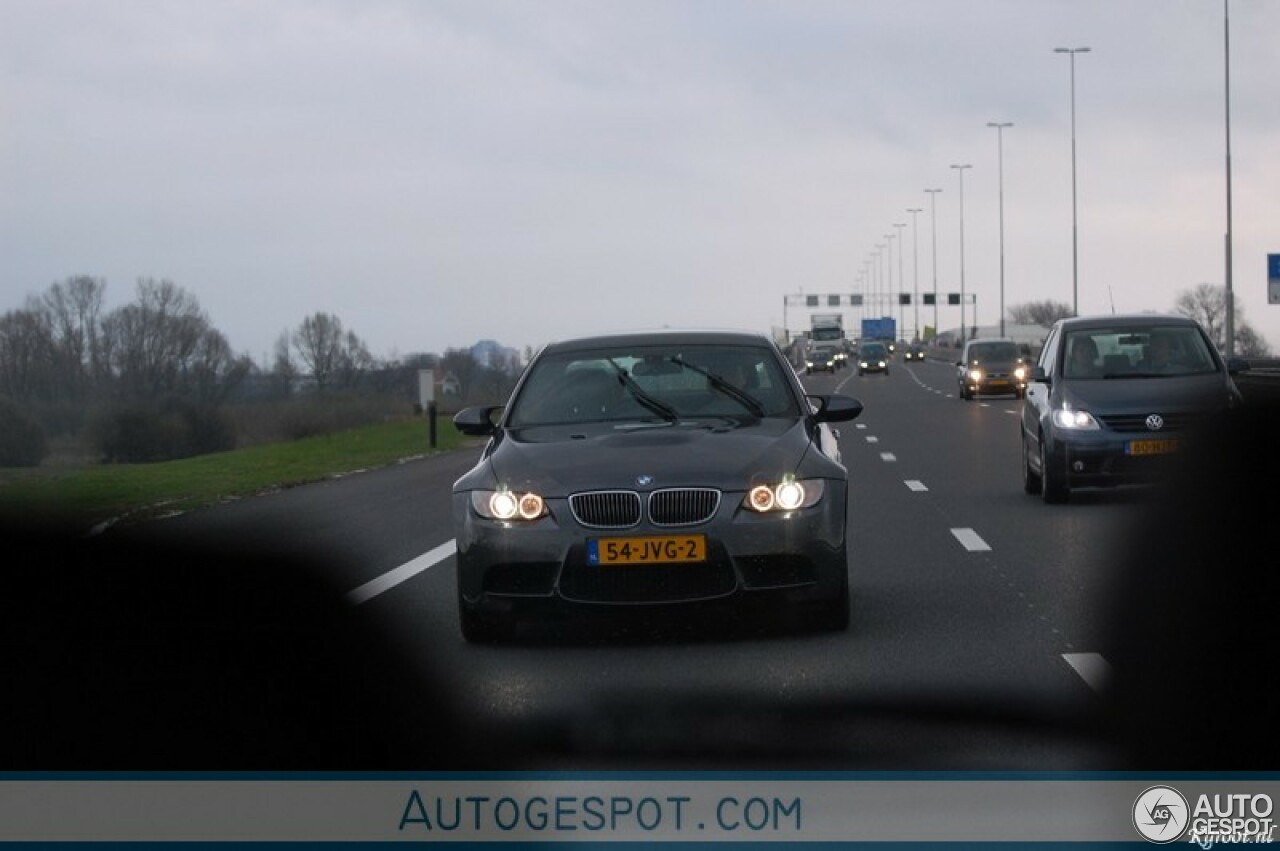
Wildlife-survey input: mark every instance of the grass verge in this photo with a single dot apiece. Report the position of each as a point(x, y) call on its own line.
point(90, 495)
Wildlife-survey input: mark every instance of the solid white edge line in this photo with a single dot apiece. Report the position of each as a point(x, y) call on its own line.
point(970, 540)
point(403, 573)
point(1092, 668)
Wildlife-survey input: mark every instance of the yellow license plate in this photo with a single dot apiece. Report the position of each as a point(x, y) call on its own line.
point(649, 549)
point(1152, 447)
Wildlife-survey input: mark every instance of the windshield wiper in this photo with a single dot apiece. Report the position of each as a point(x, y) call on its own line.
point(659, 407)
point(737, 394)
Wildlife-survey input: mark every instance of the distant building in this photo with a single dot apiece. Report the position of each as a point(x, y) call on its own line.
point(492, 355)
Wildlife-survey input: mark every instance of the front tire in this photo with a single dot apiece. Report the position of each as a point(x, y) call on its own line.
point(1053, 485)
point(483, 628)
point(1030, 479)
point(833, 615)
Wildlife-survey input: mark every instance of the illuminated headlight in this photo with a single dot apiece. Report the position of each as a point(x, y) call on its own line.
point(808, 363)
point(975, 375)
point(862, 364)
point(788, 495)
point(1020, 373)
point(508, 505)
point(1075, 420)
point(882, 364)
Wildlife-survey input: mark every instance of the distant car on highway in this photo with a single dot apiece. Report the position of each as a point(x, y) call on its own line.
point(873, 357)
point(1114, 397)
point(822, 358)
point(991, 366)
point(658, 468)
point(914, 352)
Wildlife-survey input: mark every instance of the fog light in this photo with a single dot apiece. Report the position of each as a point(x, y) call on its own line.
point(1078, 466)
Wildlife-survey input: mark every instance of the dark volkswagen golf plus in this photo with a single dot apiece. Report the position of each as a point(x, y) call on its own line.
point(1114, 398)
point(663, 468)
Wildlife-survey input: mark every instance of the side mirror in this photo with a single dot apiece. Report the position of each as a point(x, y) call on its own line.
point(1038, 374)
point(476, 422)
point(1235, 365)
point(835, 409)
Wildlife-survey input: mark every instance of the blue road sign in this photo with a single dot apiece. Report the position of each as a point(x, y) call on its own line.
point(1273, 278)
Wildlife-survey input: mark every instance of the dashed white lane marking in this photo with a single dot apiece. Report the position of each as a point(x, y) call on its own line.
point(871, 438)
point(860, 425)
point(403, 573)
point(970, 540)
point(1092, 668)
point(888, 456)
point(916, 485)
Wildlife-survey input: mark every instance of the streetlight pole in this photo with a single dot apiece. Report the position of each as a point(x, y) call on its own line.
point(1075, 240)
point(1230, 294)
point(1000, 154)
point(902, 283)
point(933, 214)
point(879, 277)
point(889, 265)
point(964, 332)
point(915, 270)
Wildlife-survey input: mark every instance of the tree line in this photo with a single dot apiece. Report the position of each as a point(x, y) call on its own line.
point(1205, 303)
point(154, 379)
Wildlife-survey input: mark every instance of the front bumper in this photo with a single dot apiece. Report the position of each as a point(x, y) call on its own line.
point(996, 386)
point(1108, 459)
point(523, 568)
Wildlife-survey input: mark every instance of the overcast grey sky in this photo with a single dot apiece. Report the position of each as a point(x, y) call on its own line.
point(437, 172)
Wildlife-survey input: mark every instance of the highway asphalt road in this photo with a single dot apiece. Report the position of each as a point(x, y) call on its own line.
point(978, 638)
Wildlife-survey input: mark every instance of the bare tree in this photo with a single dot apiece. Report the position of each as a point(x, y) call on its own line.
point(319, 343)
point(283, 370)
point(26, 351)
point(1043, 313)
point(73, 309)
point(1207, 304)
point(151, 342)
point(354, 361)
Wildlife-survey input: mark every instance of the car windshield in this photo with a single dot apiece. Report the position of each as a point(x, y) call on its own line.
point(626, 383)
point(1146, 351)
point(873, 350)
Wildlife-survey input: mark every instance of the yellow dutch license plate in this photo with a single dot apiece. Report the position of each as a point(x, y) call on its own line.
point(650, 549)
point(1153, 447)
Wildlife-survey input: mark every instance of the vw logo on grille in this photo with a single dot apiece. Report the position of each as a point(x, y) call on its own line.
point(1155, 422)
point(644, 481)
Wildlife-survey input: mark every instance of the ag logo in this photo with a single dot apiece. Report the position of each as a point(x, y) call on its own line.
point(1161, 814)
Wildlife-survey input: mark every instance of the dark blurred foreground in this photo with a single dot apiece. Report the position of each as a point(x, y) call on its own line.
point(122, 652)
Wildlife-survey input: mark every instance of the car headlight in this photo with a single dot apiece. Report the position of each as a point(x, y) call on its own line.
point(975, 375)
point(1020, 373)
point(787, 495)
point(862, 364)
point(1078, 420)
point(508, 505)
point(881, 363)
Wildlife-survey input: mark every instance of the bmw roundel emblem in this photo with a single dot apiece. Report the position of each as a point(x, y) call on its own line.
point(1155, 422)
point(644, 481)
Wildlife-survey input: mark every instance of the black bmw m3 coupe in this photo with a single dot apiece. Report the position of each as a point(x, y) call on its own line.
point(663, 468)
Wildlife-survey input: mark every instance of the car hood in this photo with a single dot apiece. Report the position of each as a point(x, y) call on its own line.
point(560, 460)
point(1199, 393)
